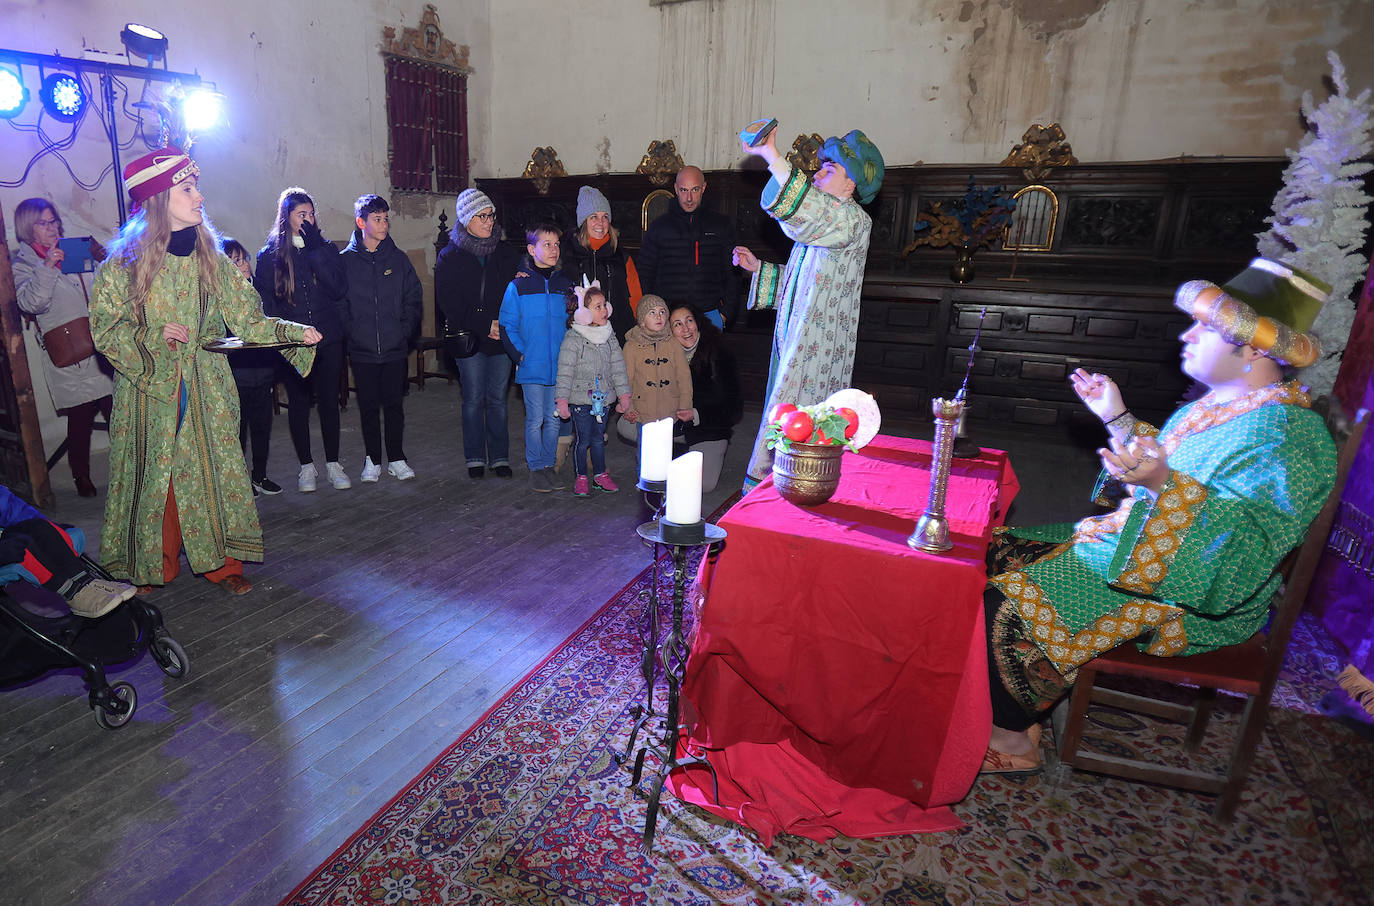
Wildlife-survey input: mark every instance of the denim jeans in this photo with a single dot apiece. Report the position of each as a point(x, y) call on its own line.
point(486, 435)
point(541, 425)
point(590, 434)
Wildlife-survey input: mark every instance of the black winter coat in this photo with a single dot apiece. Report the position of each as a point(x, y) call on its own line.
point(686, 258)
point(319, 279)
point(381, 309)
point(716, 394)
point(608, 269)
point(468, 290)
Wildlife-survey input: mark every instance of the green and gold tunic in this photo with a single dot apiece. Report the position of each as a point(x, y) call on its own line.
point(201, 457)
point(1191, 569)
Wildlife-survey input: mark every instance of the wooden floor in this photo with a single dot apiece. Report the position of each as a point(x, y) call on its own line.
point(385, 620)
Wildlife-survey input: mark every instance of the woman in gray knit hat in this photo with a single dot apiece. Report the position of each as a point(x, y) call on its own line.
point(470, 277)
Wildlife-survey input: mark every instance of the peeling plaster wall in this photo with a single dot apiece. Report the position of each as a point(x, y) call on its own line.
point(932, 80)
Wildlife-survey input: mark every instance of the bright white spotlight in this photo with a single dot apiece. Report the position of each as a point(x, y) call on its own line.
point(63, 97)
point(202, 109)
point(13, 94)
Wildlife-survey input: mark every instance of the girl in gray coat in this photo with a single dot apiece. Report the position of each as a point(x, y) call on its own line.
point(591, 371)
point(56, 300)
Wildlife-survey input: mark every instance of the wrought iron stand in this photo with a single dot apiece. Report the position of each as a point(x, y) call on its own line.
point(664, 656)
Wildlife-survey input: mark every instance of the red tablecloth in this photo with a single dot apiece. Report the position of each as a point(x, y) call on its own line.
point(838, 679)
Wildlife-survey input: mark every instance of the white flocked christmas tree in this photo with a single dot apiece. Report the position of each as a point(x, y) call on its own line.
point(1319, 219)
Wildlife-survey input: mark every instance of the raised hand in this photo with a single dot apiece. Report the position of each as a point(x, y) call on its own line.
point(1099, 393)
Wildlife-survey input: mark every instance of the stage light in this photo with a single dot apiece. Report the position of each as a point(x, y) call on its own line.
point(13, 94)
point(202, 109)
point(63, 96)
point(142, 41)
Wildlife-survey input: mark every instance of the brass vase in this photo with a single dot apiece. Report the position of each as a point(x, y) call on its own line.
point(962, 269)
point(808, 474)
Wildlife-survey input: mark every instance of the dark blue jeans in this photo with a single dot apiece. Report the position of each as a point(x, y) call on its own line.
point(588, 434)
point(486, 434)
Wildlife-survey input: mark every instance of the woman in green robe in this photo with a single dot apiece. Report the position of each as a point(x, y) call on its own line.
point(177, 474)
point(1215, 500)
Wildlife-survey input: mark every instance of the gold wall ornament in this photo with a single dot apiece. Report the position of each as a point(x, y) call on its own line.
point(426, 43)
point(1042, 149)
point(542, 166)
point(660, 162)
point(805, 153)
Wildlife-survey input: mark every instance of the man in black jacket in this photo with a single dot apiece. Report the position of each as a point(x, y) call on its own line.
point(381, 313)
point(685, 255)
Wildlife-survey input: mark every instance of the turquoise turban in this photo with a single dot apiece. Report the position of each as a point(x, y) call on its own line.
point(862, 162)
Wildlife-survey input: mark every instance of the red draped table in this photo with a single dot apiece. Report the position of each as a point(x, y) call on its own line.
point(838, 679)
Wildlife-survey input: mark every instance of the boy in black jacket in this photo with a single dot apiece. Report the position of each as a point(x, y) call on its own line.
point(381, 313)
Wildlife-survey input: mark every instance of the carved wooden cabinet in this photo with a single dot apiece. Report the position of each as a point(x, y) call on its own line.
point(1099, 297)
point(914, 338)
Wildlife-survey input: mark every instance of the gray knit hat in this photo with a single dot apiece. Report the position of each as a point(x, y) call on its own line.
point(472, 202)
point(589, 201)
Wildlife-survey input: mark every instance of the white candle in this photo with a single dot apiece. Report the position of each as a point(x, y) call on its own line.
point(655, 449)
point(684, 489)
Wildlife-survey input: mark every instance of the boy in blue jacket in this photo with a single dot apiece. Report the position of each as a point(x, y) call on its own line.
point(534, 315)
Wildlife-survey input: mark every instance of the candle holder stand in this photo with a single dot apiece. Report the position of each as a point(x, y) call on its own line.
point(655, 496)
point(665, 656)
point(932, 529)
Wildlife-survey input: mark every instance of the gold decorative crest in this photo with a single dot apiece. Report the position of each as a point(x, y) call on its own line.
point(542, 166)
point(426, 43)
point(803, 155)
point(1042, 149)
point(661, 162)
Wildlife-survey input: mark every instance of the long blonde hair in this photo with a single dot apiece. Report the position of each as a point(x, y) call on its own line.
point(142, 244)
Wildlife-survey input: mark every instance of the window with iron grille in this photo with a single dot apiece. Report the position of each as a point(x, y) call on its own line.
point(427, 118)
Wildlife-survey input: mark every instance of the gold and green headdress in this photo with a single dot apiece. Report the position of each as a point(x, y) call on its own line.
point(861, 160)
point(1269, 306)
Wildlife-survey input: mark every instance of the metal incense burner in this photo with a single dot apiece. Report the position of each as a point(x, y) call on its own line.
point(932, 529)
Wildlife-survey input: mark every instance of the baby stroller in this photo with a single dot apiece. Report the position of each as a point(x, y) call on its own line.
point(38, 634)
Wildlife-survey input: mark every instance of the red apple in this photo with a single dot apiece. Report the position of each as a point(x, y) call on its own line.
point(797, 426)
point(780, 410)
point(822, 437)
point(853, 418)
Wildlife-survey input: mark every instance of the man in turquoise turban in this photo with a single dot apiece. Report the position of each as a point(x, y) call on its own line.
point(817, 293)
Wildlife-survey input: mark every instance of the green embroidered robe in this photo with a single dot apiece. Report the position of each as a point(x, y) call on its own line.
point(1191, 569)
point(202, 459)
point(816, 296)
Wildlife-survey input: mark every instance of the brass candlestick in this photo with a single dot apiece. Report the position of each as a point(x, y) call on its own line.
point(932, 529)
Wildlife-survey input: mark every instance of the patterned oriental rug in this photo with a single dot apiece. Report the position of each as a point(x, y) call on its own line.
point(530, 807)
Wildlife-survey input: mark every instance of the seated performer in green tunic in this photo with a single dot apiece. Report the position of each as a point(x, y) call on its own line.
point(177, 475)
point(1215, 500)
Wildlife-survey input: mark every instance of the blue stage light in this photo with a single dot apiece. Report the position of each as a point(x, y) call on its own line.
point(202, 109)
point(63, 96)
point(13, 94)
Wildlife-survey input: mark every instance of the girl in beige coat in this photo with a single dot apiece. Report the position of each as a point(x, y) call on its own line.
point(660, 378)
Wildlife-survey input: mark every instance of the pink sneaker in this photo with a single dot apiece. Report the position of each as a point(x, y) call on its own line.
point(580, 488)
point(604, 482)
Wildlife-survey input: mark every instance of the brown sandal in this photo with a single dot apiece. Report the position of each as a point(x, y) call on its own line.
point(235, 585)
point(995, 762)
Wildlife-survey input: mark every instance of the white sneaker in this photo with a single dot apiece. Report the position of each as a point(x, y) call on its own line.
point(400, 469)
point(337, 477)
point(371, 471)
point(305, 482)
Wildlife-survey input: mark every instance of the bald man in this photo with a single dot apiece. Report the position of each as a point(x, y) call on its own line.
point(685, 256)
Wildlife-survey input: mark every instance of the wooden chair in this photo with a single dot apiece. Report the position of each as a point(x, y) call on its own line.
point(1250, 669)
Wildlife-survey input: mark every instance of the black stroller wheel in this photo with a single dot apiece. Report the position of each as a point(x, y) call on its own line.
point(170, 656)
point(113, 718)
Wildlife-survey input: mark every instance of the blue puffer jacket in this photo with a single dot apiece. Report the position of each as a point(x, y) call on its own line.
point(534, 317)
